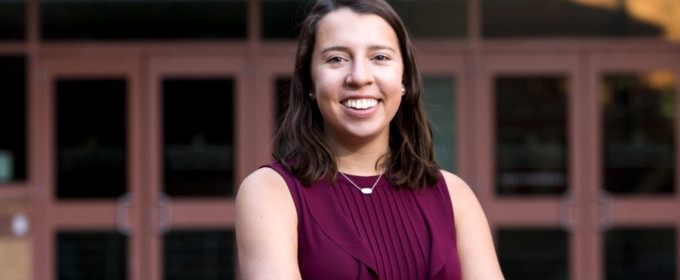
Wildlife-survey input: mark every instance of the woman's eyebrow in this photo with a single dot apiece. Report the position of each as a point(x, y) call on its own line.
point(335, 48)
point(381, 47)
point(346, 49)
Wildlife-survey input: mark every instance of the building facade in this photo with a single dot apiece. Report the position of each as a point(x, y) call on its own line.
point(127, 126)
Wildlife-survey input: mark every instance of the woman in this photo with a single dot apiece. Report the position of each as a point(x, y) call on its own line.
point(356, 192)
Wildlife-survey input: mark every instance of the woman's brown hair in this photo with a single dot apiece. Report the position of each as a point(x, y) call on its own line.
point(300, 144)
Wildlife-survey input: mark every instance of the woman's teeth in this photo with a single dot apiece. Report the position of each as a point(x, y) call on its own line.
point(360, 103)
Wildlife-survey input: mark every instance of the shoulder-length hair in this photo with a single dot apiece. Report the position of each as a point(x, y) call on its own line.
point(300, 144)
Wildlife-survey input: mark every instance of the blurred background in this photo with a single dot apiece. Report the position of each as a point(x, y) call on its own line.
point(126, 127)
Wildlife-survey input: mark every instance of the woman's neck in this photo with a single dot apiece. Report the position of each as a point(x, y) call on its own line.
point(361, 164)
point(361, 158)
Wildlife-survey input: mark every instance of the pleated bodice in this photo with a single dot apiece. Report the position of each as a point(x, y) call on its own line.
point(389, 234)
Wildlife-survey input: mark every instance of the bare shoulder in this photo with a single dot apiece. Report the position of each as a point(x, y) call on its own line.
point(266, 227)
point(263, 179)
point(460, 192)
point(264, 194)
point(452, 180)
point(475, 246)
point(466, 208)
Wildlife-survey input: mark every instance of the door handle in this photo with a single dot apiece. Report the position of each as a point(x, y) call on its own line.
point(123, 214)
point(606, 212)
point(164, 214)
point(566, 207)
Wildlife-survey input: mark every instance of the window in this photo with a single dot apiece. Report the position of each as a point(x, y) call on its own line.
point(12, 20)
point(13, 160)
point(143, 20)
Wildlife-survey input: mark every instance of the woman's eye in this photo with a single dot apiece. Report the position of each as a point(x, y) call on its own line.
point(334, 59)
point(381, 57)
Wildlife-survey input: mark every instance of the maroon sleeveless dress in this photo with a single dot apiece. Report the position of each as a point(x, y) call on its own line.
point(389, 234)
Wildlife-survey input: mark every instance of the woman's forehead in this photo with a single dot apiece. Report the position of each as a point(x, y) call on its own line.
point(345, 28)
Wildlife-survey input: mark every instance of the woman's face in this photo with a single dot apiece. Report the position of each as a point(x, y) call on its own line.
point(357, 71)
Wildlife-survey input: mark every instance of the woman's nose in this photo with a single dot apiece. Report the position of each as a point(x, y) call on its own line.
point(360, 74)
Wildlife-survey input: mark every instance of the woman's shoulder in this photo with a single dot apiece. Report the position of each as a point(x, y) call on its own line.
point(454, 183)
point(266, 177)
point(475, 246)
point(462, 196)
point(265, 206)
point(273, 172)
point(264, 193)
point(272, 181)
point(264, 184)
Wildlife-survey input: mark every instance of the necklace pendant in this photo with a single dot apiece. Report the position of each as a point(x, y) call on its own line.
point(363, 190)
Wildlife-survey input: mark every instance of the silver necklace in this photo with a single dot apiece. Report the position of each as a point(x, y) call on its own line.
point(363, 190)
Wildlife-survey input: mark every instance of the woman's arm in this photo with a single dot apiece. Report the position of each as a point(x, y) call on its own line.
point(475, 246)
point(266, 227)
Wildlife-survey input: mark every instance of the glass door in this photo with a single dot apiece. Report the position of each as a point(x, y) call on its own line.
point(274, 81)
point(527, 175)
point(199, 116)
point(633, 142)
point(446, 98)
point(91, 174)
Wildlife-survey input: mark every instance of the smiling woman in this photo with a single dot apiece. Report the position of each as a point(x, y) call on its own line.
point(356, 62)
point(355, 110)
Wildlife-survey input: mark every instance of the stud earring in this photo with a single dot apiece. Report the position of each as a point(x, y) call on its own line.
point(403, 90)
point(310, 95)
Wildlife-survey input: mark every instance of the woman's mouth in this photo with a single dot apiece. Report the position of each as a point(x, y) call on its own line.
point(360, 104)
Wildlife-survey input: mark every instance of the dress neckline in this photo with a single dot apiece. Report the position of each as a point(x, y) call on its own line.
point(362, 181)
